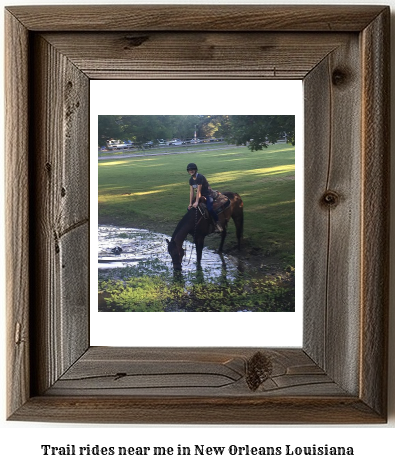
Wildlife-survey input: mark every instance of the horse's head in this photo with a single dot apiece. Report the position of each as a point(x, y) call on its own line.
point(176, 252)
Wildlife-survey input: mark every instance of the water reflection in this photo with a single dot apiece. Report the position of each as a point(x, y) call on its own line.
point(145, 280)
point(120, 247)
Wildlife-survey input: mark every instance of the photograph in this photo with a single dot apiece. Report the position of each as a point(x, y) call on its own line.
point(196, 213)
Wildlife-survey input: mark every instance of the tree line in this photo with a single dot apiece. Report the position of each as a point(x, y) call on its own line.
point(255, 131)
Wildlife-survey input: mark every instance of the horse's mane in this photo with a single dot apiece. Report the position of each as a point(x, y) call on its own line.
point(181, 223)
point(188, 220)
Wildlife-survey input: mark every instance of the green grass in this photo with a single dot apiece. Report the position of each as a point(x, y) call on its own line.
point(152, 192)
point(154, 288)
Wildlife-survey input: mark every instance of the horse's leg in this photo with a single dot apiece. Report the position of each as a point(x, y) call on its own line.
point(199, 242)
point(223, 236)
point(238, 220)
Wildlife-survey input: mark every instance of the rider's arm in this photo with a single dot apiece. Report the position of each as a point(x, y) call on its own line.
point(190, 196)
point(198, 194)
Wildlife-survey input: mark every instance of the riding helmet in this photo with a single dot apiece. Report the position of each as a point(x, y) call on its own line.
point(191, 166)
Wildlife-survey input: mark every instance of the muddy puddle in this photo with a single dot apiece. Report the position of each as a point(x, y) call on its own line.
point(120, 247)
point(136, 274)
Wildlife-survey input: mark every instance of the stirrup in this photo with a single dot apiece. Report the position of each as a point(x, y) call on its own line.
point(218, 228)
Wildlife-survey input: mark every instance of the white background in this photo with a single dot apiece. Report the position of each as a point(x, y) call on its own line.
point(281, 329)
point(20, 442)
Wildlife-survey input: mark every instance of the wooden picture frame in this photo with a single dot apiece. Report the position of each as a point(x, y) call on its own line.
point(340, 374)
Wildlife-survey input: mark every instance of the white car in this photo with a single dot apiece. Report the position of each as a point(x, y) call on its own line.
point(176, 142)
point(113, 144)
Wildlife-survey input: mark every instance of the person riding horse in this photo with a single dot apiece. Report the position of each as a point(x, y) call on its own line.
point(199, 183)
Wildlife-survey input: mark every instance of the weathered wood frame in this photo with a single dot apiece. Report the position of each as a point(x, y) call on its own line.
point(342, 54)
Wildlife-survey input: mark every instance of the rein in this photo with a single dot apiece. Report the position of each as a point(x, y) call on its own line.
point(194, 234)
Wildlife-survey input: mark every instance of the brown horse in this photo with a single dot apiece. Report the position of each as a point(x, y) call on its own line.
point(196, 223)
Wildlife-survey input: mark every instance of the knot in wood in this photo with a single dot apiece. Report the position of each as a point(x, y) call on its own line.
point(339, 77)
point(135, 41)
point(330, 198)
point(259, 369)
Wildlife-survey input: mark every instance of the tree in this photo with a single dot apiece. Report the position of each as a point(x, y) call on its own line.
point(210, 125)
point(108, 127)
point(257, 132)
point(254, 131)
point(141, 129)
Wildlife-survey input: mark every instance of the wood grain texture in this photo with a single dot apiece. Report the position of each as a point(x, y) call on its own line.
point(17, 213)
point(188, 372)
point(333, 214)
point(317, 115)
point(198, 410)
point(376, 211)
point(196, 17)
point(60, 214)
point(200, 55)
point(339, 375)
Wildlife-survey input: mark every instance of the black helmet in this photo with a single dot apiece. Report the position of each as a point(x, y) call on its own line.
point(191, 166)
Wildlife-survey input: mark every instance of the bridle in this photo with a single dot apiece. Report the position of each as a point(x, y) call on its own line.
point(203, 216)
point(194, 237)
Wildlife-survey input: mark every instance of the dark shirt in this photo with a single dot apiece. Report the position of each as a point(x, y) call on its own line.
point(200, 179)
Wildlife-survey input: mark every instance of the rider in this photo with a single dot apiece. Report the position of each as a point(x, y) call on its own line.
point(200, 183)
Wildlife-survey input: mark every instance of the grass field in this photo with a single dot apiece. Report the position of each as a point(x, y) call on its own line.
point(152, 191)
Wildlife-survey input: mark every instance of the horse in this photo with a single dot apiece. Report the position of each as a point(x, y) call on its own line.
point(196, 223)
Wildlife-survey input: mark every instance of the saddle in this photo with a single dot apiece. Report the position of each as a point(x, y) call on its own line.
point(220, 204)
